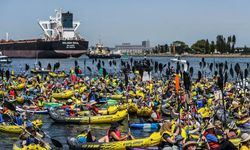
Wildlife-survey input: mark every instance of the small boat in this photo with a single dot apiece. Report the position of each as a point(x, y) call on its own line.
point(14, 129)
point(243, 124)
point(103, 53)
point(63, 95)
point(19, 109)
point(145, 125)
point(39, 70)
point(153, 140)
point(18, 146)
point(4, 59)
point(58, 116)
point(178, 59)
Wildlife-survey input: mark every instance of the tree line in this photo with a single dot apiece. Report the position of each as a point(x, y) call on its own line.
point(221, 45)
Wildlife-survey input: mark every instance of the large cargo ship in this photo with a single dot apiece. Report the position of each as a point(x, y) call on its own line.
point(60, 40)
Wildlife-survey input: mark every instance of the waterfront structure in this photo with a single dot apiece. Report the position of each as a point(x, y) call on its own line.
point(128, 48)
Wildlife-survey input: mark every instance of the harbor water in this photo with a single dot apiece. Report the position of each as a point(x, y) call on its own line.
point(62, 131)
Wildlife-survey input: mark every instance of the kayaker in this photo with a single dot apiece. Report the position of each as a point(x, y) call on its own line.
point(214, 142)
point(18, 119)
point(93, 95)
point(69, 112)
point(92, 107)
point(114, 134)
point(245, 141)
point(168, 137)
point(85, 136)
point(32, 138)
point(1, 116)
point(190, 145)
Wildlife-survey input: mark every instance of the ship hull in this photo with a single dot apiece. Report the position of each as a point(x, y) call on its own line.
point(45, 49)
point(111, 56)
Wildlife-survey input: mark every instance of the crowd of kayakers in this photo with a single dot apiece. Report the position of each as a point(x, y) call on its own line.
point(202, 113)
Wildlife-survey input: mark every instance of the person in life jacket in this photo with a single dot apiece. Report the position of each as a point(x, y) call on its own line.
point(92, 107)
point(214, 143)
point(190, 145)
point(114, 134)
point(155, 115)
point(69, 112)
point(245, 141)
point(93, 95)
point(85, 136)
point(32, 138)
point(1, 116)
point(12, 93)
point(200, 102)
point(18, 119)
point(168, 141)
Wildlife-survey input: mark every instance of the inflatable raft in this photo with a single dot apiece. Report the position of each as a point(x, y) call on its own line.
point(153, 140)
point(58, 116)
point(14, 129)
point(145, 125)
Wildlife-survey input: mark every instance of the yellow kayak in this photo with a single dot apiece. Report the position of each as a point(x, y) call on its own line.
point(14, 129)
point(17, 146)
point(111, 110)
point(153, 140)
point(19, 86)
point(63, 95)
point(117, 97)
point(20, 99)
point(58, 116)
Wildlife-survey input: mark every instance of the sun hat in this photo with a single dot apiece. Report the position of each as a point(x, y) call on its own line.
point(69, 100)
point(232, 126)
point(189, 143)
point(245, 137)
point(92, 102)
point(210, 126)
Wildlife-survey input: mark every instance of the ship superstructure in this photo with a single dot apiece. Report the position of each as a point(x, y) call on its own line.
point(60, 40)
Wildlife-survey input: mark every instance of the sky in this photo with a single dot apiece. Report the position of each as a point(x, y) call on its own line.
point(119, 21)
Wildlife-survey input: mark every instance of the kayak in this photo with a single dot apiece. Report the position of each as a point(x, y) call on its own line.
point(18, 146)
point(58, 116)
point(63, 95)
point(48, 105)
point(59, 75)
point(117, 97)
point(245, 125)
point(145, 125)
point(17, 129)
point(32, 111)
point(19, 86)
point(20, 99)
point(109, 102)
point(153, 140)
point(111, 110)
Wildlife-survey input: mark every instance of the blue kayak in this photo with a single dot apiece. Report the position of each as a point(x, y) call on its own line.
point(145, 125)
point(245, 125)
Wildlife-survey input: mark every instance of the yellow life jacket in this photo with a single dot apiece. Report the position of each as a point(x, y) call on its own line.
point(168, 133)
point(40, 103)
point(82, 135)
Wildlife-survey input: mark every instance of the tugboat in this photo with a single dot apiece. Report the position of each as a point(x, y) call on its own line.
point(60, 40)
point(178, 59)
point(4, 59)
point(103, 53)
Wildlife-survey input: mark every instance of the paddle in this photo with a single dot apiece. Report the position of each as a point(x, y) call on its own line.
point(13, 108)
point(39, 139)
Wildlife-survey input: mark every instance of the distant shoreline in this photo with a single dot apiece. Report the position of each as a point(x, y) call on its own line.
point(196, 55)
